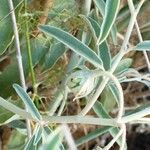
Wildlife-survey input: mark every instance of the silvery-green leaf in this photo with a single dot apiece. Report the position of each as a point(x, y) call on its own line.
point(101, 6)
point(108, 12)
point(115, 93)
point(38, 134)
point(145, 45)
point(111, 10)
point(30, 144)
point(104, 54)
point(137, 113)
point(55, 52)
point(108, 99)
point(92, 135)
point(15, 109)
point(73, 43)
point(123, 66)
point(93, 25)
point(28, 102)
point(16, 141)
point(17, 124)
point(101, 112)
point(53, 140)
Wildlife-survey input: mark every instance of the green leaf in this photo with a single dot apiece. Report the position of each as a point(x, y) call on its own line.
point(10, 74)
point(114, 91)
point(93, 25)
point(28, 102)
point(53, 141)
point(17, 124)
point(139, 112)
point(111, 10)
point(114, 32)
point(92, 135)
point(55, 52)
point(16, 141)
point(101, 6)
point(145, 45)
point(73, 43)
point(6, 114)
point(45, 133)
point(38, 134)
point(107, 99)
point(123, 66)
point(55, 103)
point(30, 144)
point(15, 109)
point(6, 30)
point(101, 112)
point(105, 55)
point(73, 62)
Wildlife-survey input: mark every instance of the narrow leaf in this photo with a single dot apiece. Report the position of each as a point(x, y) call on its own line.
point(123, 66)
point(93, 25)
point(55, 52)
point(101, 6)
point(137, 113)
point(105, 56)
point(28, 102)
point(107, 99)
point(38, 134)
point(115, 93)
point(30, 144)
point(13, 108)
point(145, 45)
point(101, 112)
point(111, 10)
point(92, 135)
point(53, 141)
point(73, 43)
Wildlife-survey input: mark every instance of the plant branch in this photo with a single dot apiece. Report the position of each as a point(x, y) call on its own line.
point(132, 9)
point(79, 119)
point(29, 52)
point(115, 64)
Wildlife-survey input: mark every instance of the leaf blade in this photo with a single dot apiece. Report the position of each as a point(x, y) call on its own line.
point(145, 45)
point(104, 54)
point(111, 10)
point(73, 43)
point(27, 101)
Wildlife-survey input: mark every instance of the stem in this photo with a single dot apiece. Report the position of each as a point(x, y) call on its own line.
point(86, 7)
point(123, 143)
point(79, 119)
point(68, 136)
point(132, 9)
point(99, 73)
point(19, 58)
point(29, 52)
point(115, 64)
point(58, 119)
point(111, 143)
